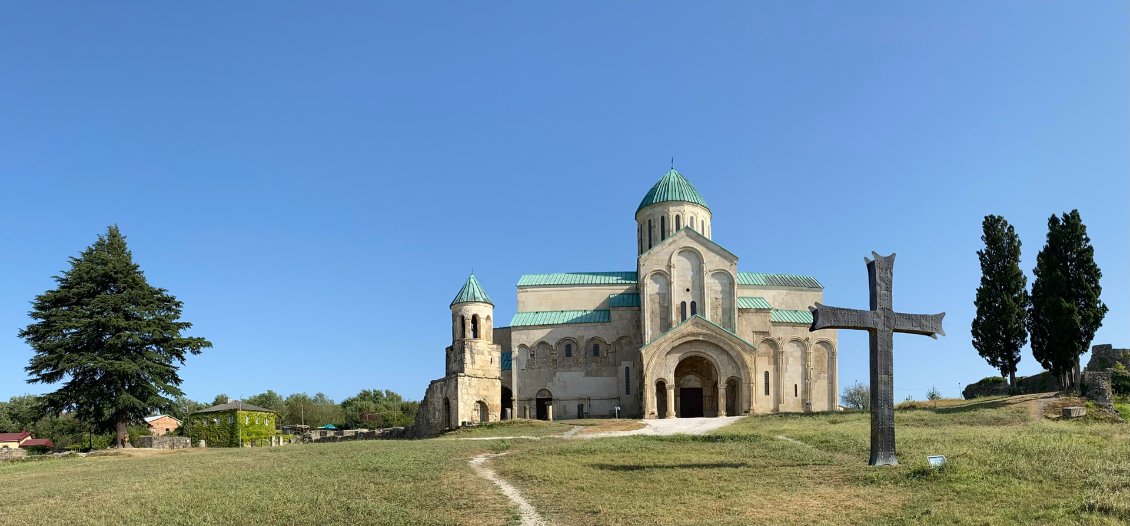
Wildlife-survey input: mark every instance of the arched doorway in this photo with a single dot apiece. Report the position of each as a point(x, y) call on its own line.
point(507, 403)
point(446, 413)
point(733, 390)
point(542, 402)
point(483, 412)
point(696, 381)
point(661, 399)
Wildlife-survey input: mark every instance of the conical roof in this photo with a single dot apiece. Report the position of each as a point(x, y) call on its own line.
point(472, 292)
point(672, 187)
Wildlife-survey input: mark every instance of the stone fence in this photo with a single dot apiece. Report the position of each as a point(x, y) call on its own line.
point(12, 453)
point(163, 442)
point(343, 435)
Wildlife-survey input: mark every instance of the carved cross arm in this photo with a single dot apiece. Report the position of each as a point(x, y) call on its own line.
point(825, 317)
point(925, 324)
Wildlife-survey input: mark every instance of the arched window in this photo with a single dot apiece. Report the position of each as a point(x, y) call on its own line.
point(691, 223)
point(568, 350)
point(766, 383)
point(648, 233)
point(678, 223)
point(596, 350)
point(662, 227)
point(475, 326)
point(462, 327)
point(627, 382)
point(694, 308)
point(796, 391)
point(683, 311)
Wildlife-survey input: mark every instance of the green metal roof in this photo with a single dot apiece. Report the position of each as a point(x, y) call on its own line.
point(791, 316)
point(577, 278)
point(560, 317)
point(778, 280)
point(753, 302)
point(471, 292)
point(672, 187)
point(628, 299)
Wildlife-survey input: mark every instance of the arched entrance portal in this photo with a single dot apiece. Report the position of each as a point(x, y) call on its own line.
point(483, 412)
point(542, 402)
point(696, 382)
point(507, 403)
point(446, 413)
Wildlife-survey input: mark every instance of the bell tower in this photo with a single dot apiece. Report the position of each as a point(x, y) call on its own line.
point(474, 361)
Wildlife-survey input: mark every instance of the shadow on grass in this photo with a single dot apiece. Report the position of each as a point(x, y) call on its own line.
point(639, 467)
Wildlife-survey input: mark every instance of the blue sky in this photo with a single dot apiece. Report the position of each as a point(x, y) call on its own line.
point(315, 182)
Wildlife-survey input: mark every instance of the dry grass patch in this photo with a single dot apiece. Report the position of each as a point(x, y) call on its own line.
point(367, 482)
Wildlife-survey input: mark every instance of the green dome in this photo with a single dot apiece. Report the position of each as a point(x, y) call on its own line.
point(471, 292)
point(672, 187)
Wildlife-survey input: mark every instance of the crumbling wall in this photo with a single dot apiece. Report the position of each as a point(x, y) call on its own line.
point(1105, 356)
point(1097, 387)
point(430, 414)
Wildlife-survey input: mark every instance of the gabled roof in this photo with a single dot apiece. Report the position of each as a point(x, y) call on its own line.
point(14, 437)
point(698, 318)
point(696, 235)
point(577, 278)
point(151, 419)
point(37, 442)
point(560, 317)
point(672, 187)
point(471, 292)
point(233, 406)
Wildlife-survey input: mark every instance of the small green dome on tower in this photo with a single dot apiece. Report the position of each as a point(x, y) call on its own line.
point(672, 187)
point(472, 292)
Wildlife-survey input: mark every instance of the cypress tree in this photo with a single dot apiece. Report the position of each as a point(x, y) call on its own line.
point(1002, 299)
point(113, 340)
point(1066, 308)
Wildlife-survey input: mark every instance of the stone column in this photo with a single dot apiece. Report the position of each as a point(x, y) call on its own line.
point(670, 402)
point(549, 411)
point(722, 402)
point(648, 401)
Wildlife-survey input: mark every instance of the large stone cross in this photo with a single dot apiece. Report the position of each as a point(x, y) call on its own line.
point(882, 322)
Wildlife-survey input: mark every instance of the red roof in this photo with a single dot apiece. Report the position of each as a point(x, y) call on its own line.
point(14, 437)
point(38, 442)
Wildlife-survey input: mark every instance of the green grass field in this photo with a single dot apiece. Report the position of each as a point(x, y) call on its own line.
point(1007, 465)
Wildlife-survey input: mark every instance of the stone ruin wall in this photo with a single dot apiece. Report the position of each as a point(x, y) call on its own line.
point(1105, 356)
point(429, 415)
point(1097, 387)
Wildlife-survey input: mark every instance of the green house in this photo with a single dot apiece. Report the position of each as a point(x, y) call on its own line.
point(234, 424)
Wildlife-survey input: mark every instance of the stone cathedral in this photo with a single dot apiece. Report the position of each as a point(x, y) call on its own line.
point(684, 335)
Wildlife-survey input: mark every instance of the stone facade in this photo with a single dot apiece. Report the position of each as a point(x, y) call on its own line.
point(686, 334)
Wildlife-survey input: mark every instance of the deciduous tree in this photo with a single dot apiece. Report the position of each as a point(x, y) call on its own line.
point(114, 341)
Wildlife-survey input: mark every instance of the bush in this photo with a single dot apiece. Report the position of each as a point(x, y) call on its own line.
point(1120, 379)
point(857, 397)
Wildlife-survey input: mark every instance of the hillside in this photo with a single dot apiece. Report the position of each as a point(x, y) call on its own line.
point(1007, 464)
